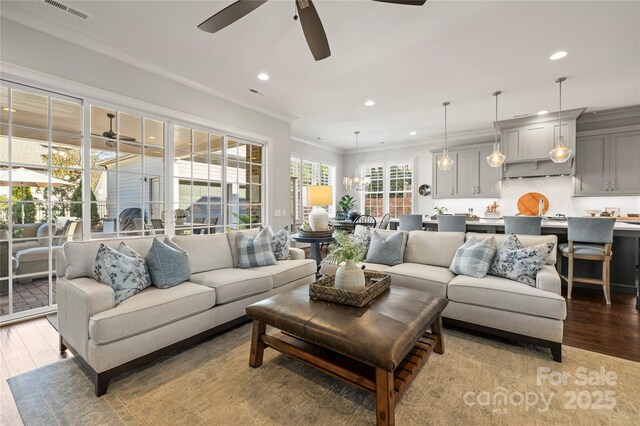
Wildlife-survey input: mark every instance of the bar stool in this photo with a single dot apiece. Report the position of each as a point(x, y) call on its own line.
point(452, 223)
point(598, 234)
point(523, 225)
point(410, 222)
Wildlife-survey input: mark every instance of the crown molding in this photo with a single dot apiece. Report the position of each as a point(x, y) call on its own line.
point(104, 49)
point(319, 146)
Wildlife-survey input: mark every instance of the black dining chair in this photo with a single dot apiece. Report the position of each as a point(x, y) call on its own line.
point(366, 220)
point(384, 222)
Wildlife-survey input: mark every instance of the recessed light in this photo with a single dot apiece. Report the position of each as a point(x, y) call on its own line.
point(558, 55)
point(7, 109)
point(543, 112)
point(413, 133)
point(263, 76)
point(370, 103)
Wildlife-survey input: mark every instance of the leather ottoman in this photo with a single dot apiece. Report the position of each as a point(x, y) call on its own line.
point(378, 348)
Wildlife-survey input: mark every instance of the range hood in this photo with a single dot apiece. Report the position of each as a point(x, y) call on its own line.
point(526, 142)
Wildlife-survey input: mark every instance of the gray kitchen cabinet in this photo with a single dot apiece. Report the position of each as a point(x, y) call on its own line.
point(511, 144)
point(537, 141)
point(470, 177)
point(608, 165)
point(442, 180)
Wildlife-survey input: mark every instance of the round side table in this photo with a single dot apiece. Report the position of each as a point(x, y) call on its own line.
point(315, 245)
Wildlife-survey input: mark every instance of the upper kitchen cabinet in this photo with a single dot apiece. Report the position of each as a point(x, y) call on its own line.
point(470, 177)
point(608, 165)
point(527, 141)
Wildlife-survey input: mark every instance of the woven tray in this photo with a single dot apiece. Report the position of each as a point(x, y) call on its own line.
point(316, 234)
point(324, 289)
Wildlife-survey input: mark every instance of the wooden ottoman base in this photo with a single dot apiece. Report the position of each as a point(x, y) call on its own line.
point(387, 386)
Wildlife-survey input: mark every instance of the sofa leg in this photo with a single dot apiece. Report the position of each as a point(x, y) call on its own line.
point(63, 348)
point(556, 351)
point(102, 383)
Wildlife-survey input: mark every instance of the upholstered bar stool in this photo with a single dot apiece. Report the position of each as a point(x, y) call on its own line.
point(410, 222)
point(452, 223)
point(589, 239)
point(523, 225)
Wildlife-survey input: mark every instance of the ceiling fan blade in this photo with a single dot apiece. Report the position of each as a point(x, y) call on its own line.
point(313, 31)
point(230, 14)
point(405, 2)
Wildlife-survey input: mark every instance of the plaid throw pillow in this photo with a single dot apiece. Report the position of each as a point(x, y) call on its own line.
point(473, 258)
point(256, 251)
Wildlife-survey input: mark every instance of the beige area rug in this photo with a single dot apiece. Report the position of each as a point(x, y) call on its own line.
point(477, 381)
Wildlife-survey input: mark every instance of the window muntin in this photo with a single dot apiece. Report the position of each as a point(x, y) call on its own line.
point(391, 188)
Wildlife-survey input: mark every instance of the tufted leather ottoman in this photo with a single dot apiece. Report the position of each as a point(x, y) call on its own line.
point(379, 348)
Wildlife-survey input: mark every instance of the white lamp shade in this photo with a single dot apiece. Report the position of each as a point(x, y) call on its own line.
point(319, 195)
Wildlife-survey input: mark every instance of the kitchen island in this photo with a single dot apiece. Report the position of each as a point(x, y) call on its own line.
point(624, 262)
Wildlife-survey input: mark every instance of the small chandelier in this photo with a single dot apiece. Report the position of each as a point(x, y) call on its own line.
point(496, 158)
point(356, 182)
point(444, 162)
point(560, 153)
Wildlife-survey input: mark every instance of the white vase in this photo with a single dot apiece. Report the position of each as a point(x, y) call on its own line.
point(349, 277)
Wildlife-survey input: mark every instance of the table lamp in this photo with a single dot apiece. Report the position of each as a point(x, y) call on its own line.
point(319, 196)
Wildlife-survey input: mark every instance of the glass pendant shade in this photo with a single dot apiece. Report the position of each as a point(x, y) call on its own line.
point(445, 162)
point(496, 158)
point(560, 153)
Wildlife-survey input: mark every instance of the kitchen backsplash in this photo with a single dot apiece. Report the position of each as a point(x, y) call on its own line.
point(558, 191)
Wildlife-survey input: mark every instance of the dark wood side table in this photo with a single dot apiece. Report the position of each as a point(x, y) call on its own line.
point(315, 245)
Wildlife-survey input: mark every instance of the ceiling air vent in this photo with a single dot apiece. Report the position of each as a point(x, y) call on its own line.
point(66, 8)
point(255, 92)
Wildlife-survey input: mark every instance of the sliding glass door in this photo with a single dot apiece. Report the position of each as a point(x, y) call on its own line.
point(41, 165)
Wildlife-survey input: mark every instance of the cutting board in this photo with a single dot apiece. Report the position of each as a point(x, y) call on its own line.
point(528, 204)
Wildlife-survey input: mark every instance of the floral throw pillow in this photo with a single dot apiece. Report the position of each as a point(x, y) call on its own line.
point(122, 269)
point(280, 243)
point(361, 237)
point(519, 263)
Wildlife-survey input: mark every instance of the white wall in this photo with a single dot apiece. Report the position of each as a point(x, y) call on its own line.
point(37, 51)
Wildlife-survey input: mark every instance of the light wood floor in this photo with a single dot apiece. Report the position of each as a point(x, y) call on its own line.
point(590, 325)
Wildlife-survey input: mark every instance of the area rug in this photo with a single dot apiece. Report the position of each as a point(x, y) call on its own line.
point(477, 381)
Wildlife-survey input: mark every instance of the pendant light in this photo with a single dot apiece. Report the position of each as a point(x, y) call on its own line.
point(444, 162)
point(496, 158)
point(356, 182)
point(560, 153)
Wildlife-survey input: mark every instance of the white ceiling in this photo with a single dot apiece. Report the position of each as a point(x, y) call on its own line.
point(408, 59)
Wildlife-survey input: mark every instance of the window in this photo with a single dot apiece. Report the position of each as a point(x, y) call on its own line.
point(305, 173)
point(390, 190)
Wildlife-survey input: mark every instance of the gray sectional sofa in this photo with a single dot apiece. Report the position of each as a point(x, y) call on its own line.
point(491, 304)
point(111, 339)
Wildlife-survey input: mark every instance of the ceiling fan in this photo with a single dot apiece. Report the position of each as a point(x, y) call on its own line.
point(306, 11)
point(111, 134)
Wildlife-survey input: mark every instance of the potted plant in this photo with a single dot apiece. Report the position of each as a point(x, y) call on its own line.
point(346, 203)
point(439, 210)
point(180, 216)
point(348, 276)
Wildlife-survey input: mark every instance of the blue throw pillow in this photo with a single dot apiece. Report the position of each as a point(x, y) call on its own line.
point(256, 251)
point(386, 250)
point(168, 264)
point(123, 269)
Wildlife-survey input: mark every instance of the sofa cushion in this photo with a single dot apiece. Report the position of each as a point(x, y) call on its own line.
point(19, 245)
point(287, 271)
point(233, 283)
point(385, 249)
point(206, 252)
point(168, 263)
point(507, 295)
point(526, 240)
point(151, 308)
point(474, 257)
point(583, 249)
point(232, 238)
point(432, 248)
point(417, 276)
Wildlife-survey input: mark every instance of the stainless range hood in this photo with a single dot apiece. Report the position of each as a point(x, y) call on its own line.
point(526, 141)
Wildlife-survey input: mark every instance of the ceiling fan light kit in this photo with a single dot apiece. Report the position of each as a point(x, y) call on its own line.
point(496, 158)
point(444, 162)
point(560, 153)
point(305, 13)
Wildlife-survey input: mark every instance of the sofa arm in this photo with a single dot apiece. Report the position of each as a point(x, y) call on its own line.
point(78, 300)
point(296, 253)
point(548, 279)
